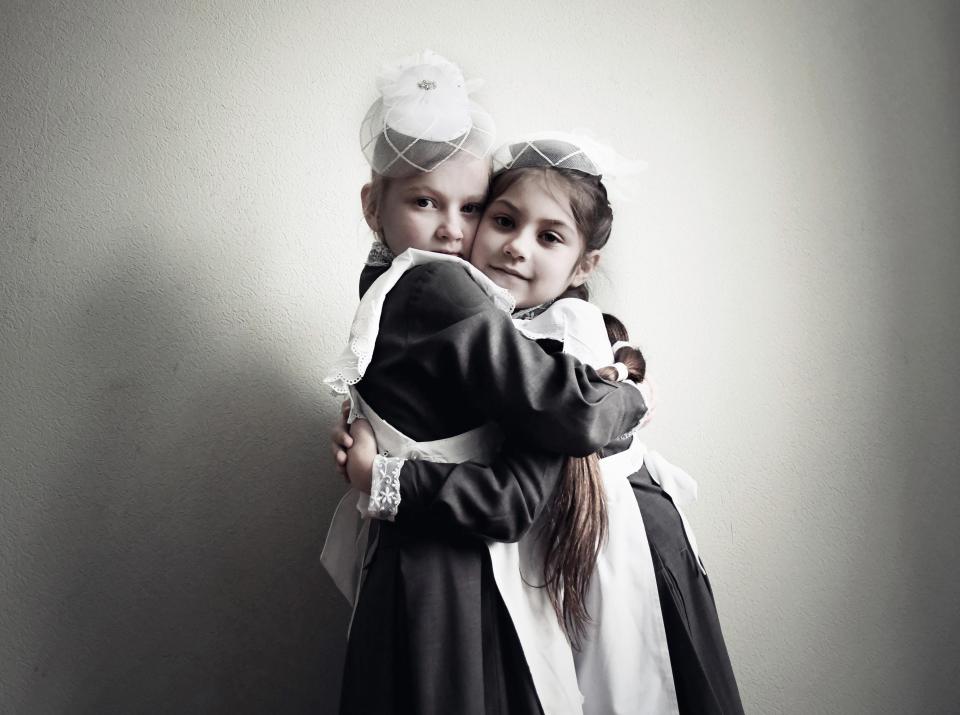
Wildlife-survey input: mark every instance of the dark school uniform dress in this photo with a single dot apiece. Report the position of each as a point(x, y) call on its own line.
point(430, 634)
point(702, 672)
point(456, 497)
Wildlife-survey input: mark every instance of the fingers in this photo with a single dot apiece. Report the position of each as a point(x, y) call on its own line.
point(340, 434)
point(341, 441)
point(649, 396)
point(339, 459)
point(341, 438)
point(363, 430)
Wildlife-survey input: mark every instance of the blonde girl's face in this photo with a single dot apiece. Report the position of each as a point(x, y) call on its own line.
point(436, 211)
point(528, 241)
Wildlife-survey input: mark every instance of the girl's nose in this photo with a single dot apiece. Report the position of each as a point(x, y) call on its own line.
point(518, 247)
point(451, 228)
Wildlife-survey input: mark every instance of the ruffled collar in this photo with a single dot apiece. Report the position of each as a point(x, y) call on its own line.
point(379, 255)
point(530, 313)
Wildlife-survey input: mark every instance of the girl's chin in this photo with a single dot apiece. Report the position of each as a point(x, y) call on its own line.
point(497, 277)
point(504, 281)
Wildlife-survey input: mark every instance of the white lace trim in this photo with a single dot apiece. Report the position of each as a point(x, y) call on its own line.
point(380, 254)
point(349, 368)
point(385, 487)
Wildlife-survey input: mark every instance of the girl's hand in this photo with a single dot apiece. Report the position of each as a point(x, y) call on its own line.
point(341, 441)
point(649, 396)
point(361, 455)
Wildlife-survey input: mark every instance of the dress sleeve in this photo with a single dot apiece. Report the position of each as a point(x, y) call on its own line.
point(498, 502)
point(548, 401)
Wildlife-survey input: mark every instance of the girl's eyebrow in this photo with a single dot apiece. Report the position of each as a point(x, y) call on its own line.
point(549, 221)
point(509, 205)
point(431, 191)
point(420, 189)
point(557, 222)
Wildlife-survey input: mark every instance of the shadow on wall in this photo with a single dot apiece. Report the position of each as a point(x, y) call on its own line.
point(914, 185)
point(188, 513)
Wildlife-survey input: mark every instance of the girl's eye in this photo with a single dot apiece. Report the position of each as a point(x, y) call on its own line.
point(503, 221)
point(551, 237)
point(472, 209)
point(425, 203)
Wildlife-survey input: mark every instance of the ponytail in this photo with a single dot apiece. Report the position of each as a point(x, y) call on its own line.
point(630, 356)
point(576, 527)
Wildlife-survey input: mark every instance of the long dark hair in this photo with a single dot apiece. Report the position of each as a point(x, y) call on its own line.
point(576, 521)
point(576, 526)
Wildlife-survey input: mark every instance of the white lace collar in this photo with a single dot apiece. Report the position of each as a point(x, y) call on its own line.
point(380, 254)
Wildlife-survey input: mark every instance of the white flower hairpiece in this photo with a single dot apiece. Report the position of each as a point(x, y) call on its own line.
point(426, 96)
point(424, 117)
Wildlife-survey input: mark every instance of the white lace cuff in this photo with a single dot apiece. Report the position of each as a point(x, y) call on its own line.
point(385, 487)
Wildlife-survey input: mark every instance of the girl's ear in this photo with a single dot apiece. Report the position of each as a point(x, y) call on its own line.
point(586, 266)
point(370, 212)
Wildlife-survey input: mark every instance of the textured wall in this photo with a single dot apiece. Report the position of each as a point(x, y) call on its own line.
point(179, 245)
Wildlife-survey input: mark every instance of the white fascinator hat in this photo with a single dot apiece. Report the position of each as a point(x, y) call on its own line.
point(577, 150)
point(423, 118)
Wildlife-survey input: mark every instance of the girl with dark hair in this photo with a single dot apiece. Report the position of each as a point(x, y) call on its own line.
point(645, 632)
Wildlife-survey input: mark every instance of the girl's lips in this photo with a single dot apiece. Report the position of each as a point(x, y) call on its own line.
point(510, 272)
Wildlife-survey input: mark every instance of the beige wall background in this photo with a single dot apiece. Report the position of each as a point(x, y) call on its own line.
point(180, 239)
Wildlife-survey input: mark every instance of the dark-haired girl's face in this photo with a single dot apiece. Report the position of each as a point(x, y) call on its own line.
point(528, 242)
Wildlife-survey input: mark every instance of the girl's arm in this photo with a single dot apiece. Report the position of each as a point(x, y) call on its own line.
point(539, 399)
point(449, 339)
point(547, 401)
point(499, 502)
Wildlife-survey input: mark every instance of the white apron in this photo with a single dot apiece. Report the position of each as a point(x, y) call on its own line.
point(623, 665)
point(346, 545)
point(544, 643)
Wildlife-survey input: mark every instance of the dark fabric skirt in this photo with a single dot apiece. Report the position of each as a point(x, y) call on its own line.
point(702, 672)
point(431, 635)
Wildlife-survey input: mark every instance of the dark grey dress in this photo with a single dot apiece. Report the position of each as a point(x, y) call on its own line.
point(430, 634)
point(702, 673)
point(486, 501)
